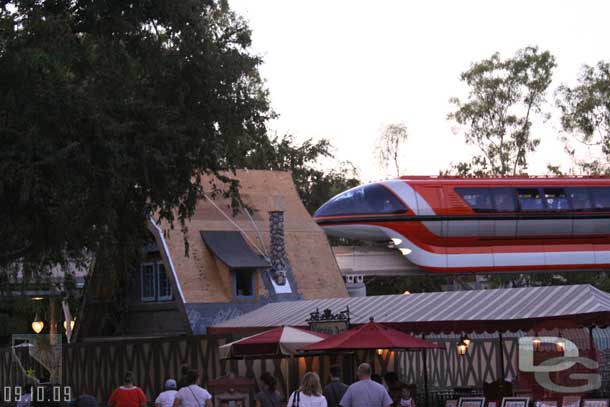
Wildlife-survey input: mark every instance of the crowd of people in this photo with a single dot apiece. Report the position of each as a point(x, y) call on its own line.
point(366, 392)
point(184, 393)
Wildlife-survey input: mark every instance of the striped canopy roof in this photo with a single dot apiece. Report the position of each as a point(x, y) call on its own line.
point(508, 309)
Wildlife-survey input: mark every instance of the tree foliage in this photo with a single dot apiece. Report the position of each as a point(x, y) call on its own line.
point(504, 94)
point(585, 116)
point(112, 110)
point(390, 145)
point(314, 185)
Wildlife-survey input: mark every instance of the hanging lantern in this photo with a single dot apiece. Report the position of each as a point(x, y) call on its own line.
point(380, 352)
point(462, 348)
point(72, 323)
point(37, 325)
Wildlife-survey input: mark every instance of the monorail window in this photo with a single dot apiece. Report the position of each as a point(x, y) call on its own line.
point(504, 199)
point(530, 199)
point(556, 199)
point(364, 200)
point(580, 199)
point(479, 199)
point(601, 198)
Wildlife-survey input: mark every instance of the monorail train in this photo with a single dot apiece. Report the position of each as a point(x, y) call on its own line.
point(455, 224)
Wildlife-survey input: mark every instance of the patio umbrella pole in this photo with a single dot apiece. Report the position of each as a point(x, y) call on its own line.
point(293, 375)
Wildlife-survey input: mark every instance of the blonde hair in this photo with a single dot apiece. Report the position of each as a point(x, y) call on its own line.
point(310, 385)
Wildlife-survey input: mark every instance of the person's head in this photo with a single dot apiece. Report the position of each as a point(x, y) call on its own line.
point(364, 371)
point(128, 379)
point(391, 378)
point(377, 378)
point(269, 382)
point(405, 393)
point(170, 384)
point(191, 377)
point(335, 372)
point(310, 385)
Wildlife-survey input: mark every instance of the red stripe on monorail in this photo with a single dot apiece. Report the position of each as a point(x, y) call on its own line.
point(500, 269)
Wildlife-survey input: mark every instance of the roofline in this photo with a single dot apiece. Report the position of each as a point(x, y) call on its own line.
point(599, 319)
point(492, 177)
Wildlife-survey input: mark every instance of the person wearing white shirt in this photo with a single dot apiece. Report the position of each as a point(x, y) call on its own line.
point(167, 398)
point(192, 395)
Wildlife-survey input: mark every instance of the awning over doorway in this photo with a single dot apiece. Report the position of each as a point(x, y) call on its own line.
point(231, 248)
point(510, 309)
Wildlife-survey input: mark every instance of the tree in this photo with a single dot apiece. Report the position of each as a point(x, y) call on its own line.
point(111, 111)
point(585, 116)
point(504, 95)
point(314, 185)
point(390, 144)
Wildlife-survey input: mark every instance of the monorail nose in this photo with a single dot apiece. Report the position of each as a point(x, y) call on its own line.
point(365, 200)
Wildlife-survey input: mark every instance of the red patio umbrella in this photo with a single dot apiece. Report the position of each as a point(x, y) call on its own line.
point(375, 336)
point(372, 336)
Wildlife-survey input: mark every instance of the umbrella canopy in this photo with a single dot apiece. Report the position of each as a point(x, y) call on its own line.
point(372, 336)
point(283, 341)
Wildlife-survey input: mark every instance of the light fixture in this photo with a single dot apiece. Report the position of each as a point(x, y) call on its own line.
point(380, 352)
point(462, 348)
point(406, 292)
point(405, 251)
point(536, 343)
point(37, 298)
point(396, 240)
point(72, 322)
point(37, 324)
point(466, 340)
point(560, 345)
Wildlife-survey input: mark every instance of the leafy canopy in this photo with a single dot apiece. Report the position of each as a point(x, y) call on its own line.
point(111, 110)
point(585, 115)
point(503, 96)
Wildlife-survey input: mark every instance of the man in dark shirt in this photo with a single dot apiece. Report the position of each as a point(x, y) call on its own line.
point(334, 390)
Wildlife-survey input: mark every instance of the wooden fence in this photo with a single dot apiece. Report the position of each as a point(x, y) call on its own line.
point(97, 367)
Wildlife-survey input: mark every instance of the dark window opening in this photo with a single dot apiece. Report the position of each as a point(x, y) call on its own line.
point(556, 199)
point(164, 289)
point(530, 199)
point(155, 283)
point(601, 198)
point(147, 274)
point(244, 283)
point(363, 200)
point(504, 199)
point(479, 199)
point(580, 199)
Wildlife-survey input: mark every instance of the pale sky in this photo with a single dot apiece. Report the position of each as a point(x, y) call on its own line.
point(342, 69)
